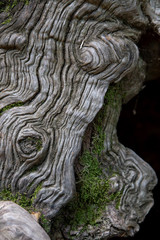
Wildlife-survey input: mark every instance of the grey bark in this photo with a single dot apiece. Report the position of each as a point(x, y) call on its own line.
point(126, 171)
point(17, 223)
point(57, 61)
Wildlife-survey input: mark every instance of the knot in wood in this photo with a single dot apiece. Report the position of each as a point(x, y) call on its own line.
point(94, 56)
point(107, 57)
point(32, 145)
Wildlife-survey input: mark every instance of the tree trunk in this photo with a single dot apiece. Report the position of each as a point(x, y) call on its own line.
point(59, 59)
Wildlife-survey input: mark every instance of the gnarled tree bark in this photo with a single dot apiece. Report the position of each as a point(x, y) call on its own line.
point(57, 61)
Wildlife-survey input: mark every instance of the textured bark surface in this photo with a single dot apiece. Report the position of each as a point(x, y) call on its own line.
point(126, 171)
point(17, 223)
point(57, 60)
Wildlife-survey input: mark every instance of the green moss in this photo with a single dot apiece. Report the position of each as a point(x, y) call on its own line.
point(45, 223)
point(34, 195)
point(98, 138)
point(18, 104)
point(26, 203)
point(10, 4)
point(7, 6)
point(114, 95)
point(8, 20)
point(93, 194)
point(21, 199)
point(94, 189)
point(39, 144)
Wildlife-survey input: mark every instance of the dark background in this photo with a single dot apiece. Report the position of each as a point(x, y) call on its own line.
point(141, 133)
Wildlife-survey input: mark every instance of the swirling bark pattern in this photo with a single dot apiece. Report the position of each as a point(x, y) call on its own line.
point(57, 60)
point(128, 174)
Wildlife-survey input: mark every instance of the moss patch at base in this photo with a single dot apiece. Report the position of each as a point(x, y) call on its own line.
point(27, 203)
point(21, 199)
point(93, 194)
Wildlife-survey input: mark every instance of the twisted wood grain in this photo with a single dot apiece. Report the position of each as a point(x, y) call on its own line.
point(57, 59)
point(127, 173)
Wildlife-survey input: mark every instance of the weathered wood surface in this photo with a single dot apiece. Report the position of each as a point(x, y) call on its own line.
point(132, 176)
point(57, 60)
point(17, 224)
